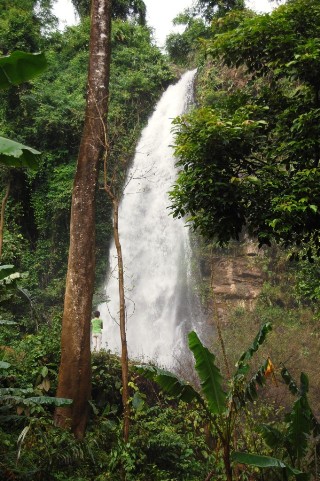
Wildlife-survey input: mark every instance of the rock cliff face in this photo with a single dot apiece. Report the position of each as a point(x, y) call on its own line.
point(237, 277)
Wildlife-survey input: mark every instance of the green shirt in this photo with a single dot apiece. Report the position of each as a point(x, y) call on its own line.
point(96, 325)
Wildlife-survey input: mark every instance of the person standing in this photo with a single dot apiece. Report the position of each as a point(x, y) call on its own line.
point(97, 325)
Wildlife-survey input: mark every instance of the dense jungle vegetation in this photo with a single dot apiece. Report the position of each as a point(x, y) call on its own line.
point(248, 155)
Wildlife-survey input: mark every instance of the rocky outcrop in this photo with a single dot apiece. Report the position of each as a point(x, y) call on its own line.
point(237, 277)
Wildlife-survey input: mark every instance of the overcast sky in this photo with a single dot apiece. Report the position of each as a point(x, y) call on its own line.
point(159, 13)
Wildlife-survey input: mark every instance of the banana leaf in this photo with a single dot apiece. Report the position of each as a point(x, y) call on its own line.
point(272, 436)
point(11, 400)
point(304, 387)
point(20, 67)
point(299, 428)
point(14, 154)
point(250, 392)
point(169, 383)
point(242, 366)
point(267, 462)
point(209, 374)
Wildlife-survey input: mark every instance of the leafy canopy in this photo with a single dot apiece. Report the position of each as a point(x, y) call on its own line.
point(250, 157)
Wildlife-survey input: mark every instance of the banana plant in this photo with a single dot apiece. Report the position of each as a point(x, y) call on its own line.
point(222, 407)
point(293, 441)
point(16, 68)
point(22, 400)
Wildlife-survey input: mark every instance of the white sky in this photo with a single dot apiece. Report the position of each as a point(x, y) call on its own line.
point(159, 13)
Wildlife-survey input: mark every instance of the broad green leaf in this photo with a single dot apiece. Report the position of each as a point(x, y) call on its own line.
point(14, 154)
point(14, 391)
point(13, 400)
point(263, 462)
point(44, 371)
point(257, 460)
point(6, 270)
point(47, 400)
point(169, 383)
point(7, 323)
point(209, 374)
point(253, 179)
point(138, 401)
point(272, 436)
point(299, 427)
point(314, 208)
point(20, 67)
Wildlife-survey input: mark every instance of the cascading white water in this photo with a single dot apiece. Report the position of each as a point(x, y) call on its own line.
point(155, 247)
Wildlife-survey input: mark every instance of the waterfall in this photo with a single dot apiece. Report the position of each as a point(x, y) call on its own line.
point(160, 303)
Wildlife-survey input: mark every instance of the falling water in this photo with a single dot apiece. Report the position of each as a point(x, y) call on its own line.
point(160, 304)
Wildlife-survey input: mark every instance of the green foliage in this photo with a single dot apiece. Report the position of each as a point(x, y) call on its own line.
point(266, 462)
point(307, 286)
point(14, 398)
point(293, 442)
point(242, 366)
point(106, 383)
point(167, 442)
point(6, 271)
point(209, 374)
point(170, 439)
point(214, 8)
point(23, 23)
point(182, 47)
point(169, 383)
point(252, 159)
point(13, 154)
point(178, 48)
point(121, 9)
point(221, 408)
point(210, 148)
point(20, 67)
point(167, 438)
point(16, 69)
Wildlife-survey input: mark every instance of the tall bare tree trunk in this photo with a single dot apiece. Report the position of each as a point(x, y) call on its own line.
point(75, 367)
point(110, 187)
point(122, 316)
point(3, 209)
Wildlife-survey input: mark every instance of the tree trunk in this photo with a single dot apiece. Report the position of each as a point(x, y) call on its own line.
point(3, 209)
point(75, 367)
point(227, 461)
point(122, 317)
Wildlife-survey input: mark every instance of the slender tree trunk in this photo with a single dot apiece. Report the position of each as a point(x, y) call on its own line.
point(110, 187)
point(122, 316)
point(3, 209)
point(227, 461)
point(75, 367)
